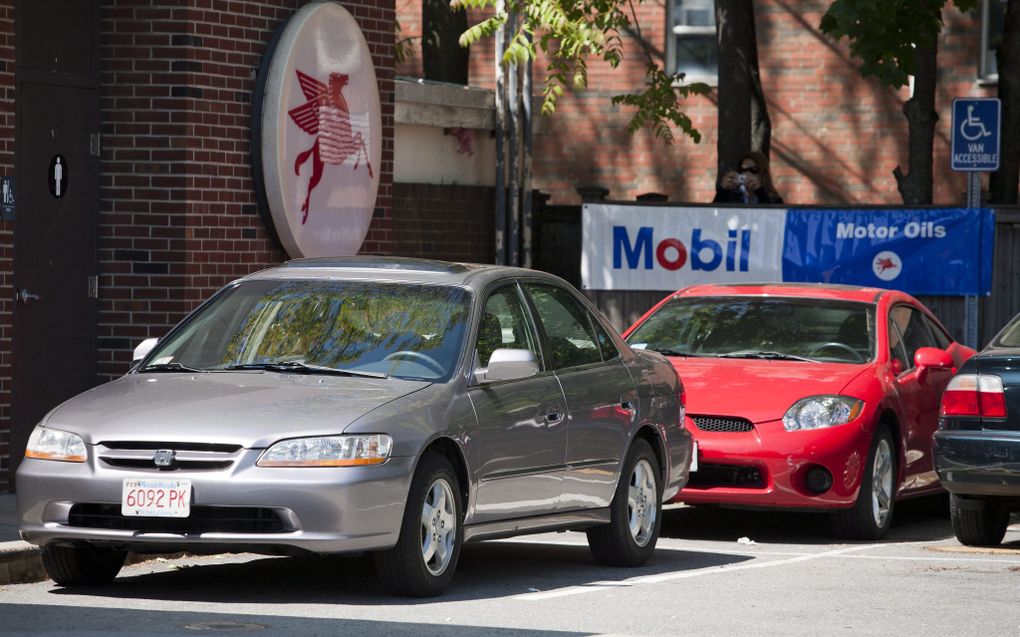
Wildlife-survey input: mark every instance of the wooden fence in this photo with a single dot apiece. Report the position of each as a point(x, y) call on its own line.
point(558, 250)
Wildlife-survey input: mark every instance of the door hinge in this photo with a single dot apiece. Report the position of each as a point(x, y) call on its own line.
point(94, 144)
point(93, 286)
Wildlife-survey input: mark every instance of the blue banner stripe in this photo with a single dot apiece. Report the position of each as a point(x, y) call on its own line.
point(938, 252)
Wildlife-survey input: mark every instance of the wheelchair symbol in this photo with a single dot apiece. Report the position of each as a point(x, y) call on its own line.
point(973, 128)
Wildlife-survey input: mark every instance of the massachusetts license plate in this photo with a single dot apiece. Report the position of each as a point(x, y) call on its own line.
point(156, 498)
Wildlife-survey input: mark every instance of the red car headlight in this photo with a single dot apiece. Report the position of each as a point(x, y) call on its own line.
point(817, 412)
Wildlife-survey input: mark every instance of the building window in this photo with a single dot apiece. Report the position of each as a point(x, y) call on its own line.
point(693, 49)
point(993, 18)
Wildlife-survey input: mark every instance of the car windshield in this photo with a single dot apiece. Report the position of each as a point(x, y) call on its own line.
point(318, 326)
point(759, 327)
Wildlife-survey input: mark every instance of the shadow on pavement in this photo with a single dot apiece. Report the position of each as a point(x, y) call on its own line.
point(916, 520)
point(487, 570)
point(45, 620)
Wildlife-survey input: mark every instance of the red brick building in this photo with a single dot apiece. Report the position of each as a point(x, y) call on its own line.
point(149, 103)
point(835, 136)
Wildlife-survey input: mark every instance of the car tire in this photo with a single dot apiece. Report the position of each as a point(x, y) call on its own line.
point(982, 527)
point(81, 565)
point(871, 515)
point(635, 512)
point(425, 557)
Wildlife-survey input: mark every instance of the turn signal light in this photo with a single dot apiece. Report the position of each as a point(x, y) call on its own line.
point(977, 395)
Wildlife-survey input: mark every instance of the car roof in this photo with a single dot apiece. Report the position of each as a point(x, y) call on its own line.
point(801, 290)
point(395, 270)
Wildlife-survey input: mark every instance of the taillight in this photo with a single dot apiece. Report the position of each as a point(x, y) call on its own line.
point(976, 395)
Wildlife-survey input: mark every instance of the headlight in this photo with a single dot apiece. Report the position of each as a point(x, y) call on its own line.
point(51, 444)
point(328, 451)
point(817, 412)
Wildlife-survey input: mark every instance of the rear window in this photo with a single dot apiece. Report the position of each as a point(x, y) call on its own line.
point(1010, 335)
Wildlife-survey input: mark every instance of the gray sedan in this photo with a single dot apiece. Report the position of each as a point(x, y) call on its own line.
point(342, 405)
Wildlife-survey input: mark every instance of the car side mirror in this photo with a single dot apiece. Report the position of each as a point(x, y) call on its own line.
point(509, 364)
point(143, 349)
point(928, 358)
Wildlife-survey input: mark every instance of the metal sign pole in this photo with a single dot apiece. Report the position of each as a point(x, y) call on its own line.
point(970, 310)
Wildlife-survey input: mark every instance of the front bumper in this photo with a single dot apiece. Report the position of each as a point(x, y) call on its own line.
point(323, 510)
point(768, 466)
point(978, 462)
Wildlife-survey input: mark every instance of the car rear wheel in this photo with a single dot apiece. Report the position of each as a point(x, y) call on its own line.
point(636, 512)
point(425, 557)
point(871, 515)
point(978, 527)
point(81, 565)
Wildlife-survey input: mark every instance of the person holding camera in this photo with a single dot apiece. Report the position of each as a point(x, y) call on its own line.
point(751, 184)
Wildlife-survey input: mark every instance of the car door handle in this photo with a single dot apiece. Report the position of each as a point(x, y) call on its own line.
point(626, 404)
point(554, 416)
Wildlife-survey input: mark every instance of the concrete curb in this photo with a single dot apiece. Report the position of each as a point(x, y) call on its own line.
point(20, 563)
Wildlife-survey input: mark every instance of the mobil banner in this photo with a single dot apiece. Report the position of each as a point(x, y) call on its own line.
point(658, 248)
point(925, 252)
point(937, 252)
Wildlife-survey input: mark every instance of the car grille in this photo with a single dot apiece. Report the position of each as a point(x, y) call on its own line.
point(188, 456)
point(722, 424)
point(727, 475)
point(203, 519)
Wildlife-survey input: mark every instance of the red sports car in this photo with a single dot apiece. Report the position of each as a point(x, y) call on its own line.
point(806, 396)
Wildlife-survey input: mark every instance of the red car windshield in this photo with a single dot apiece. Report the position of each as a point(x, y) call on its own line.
point(759, 327)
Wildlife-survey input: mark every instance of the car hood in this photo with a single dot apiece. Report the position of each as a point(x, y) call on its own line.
point(759, 390)
point(253, 409)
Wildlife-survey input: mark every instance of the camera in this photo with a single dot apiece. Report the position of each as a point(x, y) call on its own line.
point(741, 178)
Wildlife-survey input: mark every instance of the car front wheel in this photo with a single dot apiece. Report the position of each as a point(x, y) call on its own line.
point(978, 527)
point(425, 557)
point(871, 515)
point(636, 512)
point(81, 565)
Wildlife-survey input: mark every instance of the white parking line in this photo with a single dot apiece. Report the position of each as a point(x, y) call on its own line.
point(667, 577)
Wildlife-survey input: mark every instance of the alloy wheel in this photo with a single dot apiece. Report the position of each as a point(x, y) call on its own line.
point(882, 483)
point(438, 527)
point(642, 508)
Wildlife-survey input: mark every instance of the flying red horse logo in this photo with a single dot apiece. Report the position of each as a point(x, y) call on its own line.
point(885, 263)
point(326, 115)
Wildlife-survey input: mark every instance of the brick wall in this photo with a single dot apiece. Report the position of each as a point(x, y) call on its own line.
point(425, 214)
point(836, 137)
point(179, 217)
point(6, 231)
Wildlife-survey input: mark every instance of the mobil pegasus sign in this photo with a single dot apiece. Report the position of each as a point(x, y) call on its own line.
point(930, 251)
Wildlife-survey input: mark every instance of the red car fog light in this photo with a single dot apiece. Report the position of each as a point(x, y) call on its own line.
point(977, 395)
point(818, 479)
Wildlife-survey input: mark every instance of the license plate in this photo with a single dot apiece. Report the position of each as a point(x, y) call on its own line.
point(694, 456)
point(156, 498)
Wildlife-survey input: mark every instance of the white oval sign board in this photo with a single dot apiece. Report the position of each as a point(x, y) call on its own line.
point(321, 133)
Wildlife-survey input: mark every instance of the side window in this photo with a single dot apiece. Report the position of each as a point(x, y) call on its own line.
point(504, 325)
point(913, 331)
point(941, 339)
point(896, 349)
point(567, 324)
point(606, 345)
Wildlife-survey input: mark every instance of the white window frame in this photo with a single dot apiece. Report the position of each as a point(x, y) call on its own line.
point(679, 31)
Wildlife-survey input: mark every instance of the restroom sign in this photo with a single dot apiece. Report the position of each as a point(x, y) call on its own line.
point(58, 176)
point(975, 136)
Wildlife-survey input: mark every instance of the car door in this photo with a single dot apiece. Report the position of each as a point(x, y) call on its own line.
point(919, 393)
point(522, 435)
point(601, 396)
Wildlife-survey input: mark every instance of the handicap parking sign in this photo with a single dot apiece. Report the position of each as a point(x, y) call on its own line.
point(975, 136)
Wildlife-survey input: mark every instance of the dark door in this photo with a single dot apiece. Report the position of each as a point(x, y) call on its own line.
point(56, 172)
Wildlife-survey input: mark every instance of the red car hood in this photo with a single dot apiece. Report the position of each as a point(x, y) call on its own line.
point(759, 390)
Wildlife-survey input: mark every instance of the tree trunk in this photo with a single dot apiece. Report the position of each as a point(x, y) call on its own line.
point(1004, 182)
point(443, 58)
point(743, 116)
point(916, 186)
